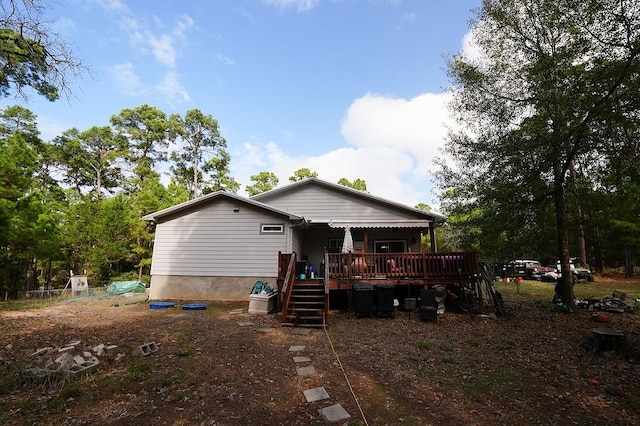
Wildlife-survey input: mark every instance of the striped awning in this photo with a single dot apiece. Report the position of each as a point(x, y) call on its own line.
point(398, 223)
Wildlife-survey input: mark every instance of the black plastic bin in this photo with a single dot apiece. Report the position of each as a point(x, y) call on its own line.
point(429, 305)
point(384, 299)
point(363, 299)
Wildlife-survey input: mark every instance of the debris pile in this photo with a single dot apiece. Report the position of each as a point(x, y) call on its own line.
point(65, 361)
point(614, 303)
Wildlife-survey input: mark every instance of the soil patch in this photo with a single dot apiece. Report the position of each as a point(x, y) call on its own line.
point(535, 368)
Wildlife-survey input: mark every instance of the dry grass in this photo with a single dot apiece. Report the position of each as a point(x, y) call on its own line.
point(465, 369)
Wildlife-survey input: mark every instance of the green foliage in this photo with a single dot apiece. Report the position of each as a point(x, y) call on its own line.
point(32, 54)
point(202, 150)
point(89, 159)
point(24, 64)
point(149, 133)
point(302, 173)
point(547, 113)
point(357, 184)
point(263, 181)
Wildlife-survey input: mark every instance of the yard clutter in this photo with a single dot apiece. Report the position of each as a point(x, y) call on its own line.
point(262, 299)
point(52, 364)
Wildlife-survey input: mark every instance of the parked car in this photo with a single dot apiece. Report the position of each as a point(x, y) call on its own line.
point(530, 269)
point(579, 270)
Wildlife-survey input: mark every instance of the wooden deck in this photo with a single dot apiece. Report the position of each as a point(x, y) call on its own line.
point(341, 270)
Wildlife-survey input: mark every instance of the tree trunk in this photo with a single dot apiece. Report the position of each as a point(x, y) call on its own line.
point(628, 262)
point(582, 246)
point(564, 288)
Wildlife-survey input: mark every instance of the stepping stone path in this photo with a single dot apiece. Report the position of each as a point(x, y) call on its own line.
point(331, 414)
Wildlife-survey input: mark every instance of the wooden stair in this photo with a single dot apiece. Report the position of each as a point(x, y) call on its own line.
point(306, 306)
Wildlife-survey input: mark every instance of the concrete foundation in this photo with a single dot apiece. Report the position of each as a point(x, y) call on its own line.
point(180, 287)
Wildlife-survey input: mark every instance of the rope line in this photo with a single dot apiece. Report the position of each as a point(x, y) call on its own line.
point(333, 349)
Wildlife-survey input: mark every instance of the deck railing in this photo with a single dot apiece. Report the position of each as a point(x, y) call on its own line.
point(401, 265)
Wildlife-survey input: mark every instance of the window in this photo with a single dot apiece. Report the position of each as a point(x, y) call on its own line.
point(272, 228)
point(335, 244)
point(390, 246)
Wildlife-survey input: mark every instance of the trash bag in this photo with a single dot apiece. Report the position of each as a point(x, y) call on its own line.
point(261, 287)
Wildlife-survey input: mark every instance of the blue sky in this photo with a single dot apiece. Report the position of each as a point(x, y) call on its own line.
point(346, 88)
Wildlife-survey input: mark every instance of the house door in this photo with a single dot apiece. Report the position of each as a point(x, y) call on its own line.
point(390, 246)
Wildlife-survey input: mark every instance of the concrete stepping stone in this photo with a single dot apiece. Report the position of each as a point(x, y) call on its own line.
point(265, 330)
point(298, 348)
point(246, 324)
point(297, 359)
point(334, 413)
point(316, 394)
point(306, 371)
point(300, 330)
point(236, 311)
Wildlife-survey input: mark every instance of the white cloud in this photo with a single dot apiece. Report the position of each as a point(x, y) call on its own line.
point(414, 126)
point(171, 89)
point(393, 143)
point(469, 49)
point(224, 59)
point(162, 48)
point(125, 80)
point(299, 5)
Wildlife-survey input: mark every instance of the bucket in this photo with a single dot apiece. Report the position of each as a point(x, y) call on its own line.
point(409, 303)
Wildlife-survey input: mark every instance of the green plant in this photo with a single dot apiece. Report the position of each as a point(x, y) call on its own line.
point(424, 345)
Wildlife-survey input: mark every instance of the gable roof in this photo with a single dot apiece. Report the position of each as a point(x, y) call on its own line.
point(354, 193)
point(209, 198)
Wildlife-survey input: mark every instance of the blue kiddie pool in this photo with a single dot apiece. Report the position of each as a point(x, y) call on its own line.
point(161, 305)
point(194, 306)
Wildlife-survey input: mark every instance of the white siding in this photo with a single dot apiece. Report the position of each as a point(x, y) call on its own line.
point(216, 241)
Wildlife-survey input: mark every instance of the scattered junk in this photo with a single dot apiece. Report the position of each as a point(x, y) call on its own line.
point(607, 339)
point(614, 303)
point(64, 362)
point(146, 349)
point(262, 298)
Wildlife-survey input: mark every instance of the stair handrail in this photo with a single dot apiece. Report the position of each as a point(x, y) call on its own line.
point(325, 280)
point(288, 285)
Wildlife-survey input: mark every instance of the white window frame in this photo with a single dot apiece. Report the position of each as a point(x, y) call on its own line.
point(272, 228)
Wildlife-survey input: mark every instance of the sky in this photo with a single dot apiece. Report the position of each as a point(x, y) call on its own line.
point(350, 89)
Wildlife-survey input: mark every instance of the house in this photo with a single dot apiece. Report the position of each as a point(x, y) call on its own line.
point(217, 246)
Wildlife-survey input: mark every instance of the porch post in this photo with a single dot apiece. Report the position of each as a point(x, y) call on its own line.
point(432, 238)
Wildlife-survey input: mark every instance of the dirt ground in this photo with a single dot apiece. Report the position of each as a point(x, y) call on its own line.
point(203, 368)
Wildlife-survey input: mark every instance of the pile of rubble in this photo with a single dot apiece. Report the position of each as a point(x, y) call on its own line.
point(65, 361)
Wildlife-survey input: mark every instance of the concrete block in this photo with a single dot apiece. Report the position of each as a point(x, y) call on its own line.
point(300, 330)
point(297, 359)
point(246, 324)
point(146, 349)
point(316, 394)
point(298, 348)
point(334, 413)
point(306, 371)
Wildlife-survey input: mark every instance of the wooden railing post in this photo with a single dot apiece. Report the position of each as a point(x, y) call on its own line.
point(288, 285)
